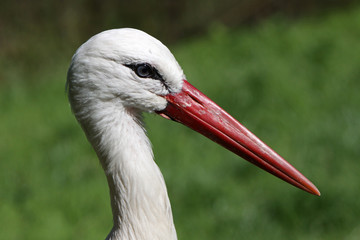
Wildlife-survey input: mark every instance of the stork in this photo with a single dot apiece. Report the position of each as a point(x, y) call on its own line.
point(114, 77)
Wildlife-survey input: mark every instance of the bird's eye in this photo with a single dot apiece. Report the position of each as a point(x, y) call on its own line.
point(144, 70)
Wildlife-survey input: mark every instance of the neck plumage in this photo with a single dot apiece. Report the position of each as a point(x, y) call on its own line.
point(139, 200)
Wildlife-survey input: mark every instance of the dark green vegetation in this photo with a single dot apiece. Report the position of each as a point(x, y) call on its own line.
point(295, 85)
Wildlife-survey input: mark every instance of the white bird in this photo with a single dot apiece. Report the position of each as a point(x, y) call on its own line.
point(114, 77)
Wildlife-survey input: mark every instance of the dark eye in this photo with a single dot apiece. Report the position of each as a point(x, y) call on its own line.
point(144, 70)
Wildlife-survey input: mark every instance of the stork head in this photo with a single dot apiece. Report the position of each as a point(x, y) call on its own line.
point(126, 66)
point(129, 68)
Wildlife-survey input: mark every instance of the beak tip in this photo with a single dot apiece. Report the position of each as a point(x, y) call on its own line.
point(311, 188)
point(316, 192)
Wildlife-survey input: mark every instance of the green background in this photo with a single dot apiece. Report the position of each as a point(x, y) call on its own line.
point(293, 81)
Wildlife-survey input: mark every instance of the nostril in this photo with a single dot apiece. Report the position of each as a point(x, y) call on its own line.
point(196, 100)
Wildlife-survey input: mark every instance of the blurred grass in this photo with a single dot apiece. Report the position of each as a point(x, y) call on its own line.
point(295, 85)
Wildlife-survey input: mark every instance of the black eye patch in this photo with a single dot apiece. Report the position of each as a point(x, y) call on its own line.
point(145, 70)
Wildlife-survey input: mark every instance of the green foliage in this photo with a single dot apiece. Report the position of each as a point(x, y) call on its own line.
point(295, 85)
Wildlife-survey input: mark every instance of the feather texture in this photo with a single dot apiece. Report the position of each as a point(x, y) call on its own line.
point(107, 98)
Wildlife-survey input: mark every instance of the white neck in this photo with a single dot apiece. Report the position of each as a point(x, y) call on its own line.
point(139, 200)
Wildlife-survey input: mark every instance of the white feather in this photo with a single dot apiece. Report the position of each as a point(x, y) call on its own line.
point(107, 99)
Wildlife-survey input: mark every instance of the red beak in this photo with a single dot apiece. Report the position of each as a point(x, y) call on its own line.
point(193, 109)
